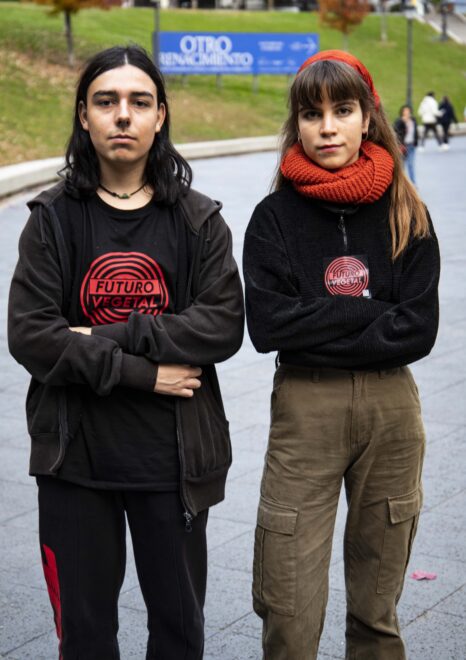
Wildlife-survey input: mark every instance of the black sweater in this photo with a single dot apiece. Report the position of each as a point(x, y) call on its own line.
point(289, 242)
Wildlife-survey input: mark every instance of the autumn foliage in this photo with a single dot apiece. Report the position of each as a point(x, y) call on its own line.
point(343, 15)
point(69, 7)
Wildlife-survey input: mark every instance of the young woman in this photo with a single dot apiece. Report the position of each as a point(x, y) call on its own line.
point(125, 295)
point(341, 268)
point(406, 131)
point(446, 119)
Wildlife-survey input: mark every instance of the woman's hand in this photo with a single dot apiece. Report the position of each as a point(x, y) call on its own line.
point(177, 380)
point(83, 330)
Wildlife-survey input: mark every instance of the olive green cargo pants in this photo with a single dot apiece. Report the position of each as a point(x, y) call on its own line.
point(364, 428)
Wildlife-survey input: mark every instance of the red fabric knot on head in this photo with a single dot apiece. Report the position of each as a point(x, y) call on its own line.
point(346, 58)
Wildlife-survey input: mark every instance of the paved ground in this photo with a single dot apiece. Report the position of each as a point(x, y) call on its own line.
point(433, 614)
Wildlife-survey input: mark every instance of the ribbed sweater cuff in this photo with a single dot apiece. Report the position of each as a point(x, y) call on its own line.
point(138, 373)
point(115, 331)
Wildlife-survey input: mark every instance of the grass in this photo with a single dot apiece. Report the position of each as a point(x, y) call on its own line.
point(37, 88)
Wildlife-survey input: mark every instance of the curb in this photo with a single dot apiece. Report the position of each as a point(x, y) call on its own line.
point(450, 33)
point(14, 178)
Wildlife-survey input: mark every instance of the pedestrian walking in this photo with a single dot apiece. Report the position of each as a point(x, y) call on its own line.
point(406, 131)
point(341, 268)
point(125, 295)
point(446, 119)
point(429, 113)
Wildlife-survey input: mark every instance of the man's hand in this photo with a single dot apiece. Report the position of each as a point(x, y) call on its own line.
point(83, 330)
point(177, 380)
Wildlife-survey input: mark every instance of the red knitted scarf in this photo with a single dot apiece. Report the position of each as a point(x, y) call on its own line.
point(362, 182)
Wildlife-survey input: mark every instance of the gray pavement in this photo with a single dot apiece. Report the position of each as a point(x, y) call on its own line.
point(432, 613)
point(456, 25)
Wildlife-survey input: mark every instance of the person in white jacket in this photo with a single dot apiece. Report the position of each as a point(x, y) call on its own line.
point(429, 114)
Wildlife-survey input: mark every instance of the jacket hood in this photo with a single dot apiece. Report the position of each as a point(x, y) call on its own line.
point(197, 207)
point(47, 197)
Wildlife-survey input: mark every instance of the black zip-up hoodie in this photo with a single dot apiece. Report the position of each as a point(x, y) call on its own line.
point(289, 242)
point(207, 329)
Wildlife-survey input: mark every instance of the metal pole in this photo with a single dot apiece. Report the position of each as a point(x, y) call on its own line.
point(156, 42)
point(383, 20)
point(444, 11)
point(409, 63)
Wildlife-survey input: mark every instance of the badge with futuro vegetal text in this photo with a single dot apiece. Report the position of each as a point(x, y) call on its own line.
point(347, 276)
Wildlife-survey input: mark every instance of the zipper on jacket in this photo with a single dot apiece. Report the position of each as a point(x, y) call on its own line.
point(194, 270)
point(187, 514)
point(188, 520)
point(62, 432)
point(342, 228)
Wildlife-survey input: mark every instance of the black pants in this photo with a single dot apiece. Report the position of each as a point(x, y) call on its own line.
point(82, 536)
point(427, 129)
point(446, 132)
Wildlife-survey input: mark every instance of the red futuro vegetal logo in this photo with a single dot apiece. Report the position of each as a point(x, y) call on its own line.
point(118, 283)
point(346, 276)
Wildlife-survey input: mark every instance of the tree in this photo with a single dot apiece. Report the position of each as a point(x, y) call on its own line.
point(343, 15)
point(383, 20)
point(69, 7)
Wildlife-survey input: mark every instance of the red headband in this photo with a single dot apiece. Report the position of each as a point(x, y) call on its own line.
point(346, 58)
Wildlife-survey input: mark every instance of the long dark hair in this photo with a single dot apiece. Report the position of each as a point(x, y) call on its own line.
point(340, 82)
point(167, 172)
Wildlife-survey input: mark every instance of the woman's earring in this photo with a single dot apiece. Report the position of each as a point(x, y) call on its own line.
point(299, 138)
point(364, 135)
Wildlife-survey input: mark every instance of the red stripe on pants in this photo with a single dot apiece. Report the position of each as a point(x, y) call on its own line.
point(53, 587)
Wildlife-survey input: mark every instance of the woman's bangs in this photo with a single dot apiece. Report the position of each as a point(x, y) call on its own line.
point(334, 80)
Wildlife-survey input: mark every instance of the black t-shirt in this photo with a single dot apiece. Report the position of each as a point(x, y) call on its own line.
point(125, 262)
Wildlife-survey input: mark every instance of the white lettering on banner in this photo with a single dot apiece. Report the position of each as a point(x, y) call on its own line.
point(205, 44)
point(204, 51)
point(271, 46)
point(227, 44)
point(206, 59)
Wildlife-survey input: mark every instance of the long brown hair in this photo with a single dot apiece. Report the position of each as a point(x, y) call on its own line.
point(340, 82)
point(166, 170)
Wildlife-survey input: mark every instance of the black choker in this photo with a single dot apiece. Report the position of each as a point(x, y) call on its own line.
point(123, 195)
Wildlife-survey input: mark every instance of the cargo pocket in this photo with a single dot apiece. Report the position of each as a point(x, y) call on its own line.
point(403, 514)
point(274, 570)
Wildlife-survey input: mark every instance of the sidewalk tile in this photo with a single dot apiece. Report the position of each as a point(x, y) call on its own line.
point(436, 636)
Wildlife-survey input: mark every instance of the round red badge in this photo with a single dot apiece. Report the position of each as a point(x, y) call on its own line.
point(346, 276)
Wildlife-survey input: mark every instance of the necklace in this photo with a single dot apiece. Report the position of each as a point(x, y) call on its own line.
point(123, 195)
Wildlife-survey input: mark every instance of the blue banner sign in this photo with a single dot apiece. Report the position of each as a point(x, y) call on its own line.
point(234, 52)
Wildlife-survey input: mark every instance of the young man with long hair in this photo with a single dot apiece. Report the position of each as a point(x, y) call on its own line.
point(124, 297)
